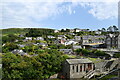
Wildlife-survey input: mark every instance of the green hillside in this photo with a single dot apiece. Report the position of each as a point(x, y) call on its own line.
point(18, 31)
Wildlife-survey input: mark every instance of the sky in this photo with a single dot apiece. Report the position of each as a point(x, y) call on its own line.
point(58, 14)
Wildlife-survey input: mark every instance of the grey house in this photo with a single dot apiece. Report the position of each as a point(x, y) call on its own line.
point(113, 40)
point(20, 52)
point(119, 41)
point(76, 68)
point(77, 38)
point(76, 47)
point(87, 39)
point(66, 51)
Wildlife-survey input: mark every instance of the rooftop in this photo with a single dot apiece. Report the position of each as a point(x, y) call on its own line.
point(77, 61)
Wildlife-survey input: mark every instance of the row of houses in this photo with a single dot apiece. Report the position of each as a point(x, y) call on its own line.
point(110, 40)
point(78, 30)
point(73, 30)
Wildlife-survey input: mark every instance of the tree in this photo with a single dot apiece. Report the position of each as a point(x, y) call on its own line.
point(116, 55)
point(84, 52)
point(9, 38)
point(36, 32)
point(62, 30)
point(99, 30)
point(103, 30)
point(31, 48)
point(9, 47)
point(21, 67)
point(110, 29)
point(115, 28)
point(67, 30)
point(37, 67)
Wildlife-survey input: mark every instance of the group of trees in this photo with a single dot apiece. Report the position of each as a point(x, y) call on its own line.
point(65, 30)
point(116, 55)
point(8, 47)
point(9, 38)
point(36, 32)
point(110, 29)
point(15, 31)
point(60, 46)
point(41, 66)
point(96, 53)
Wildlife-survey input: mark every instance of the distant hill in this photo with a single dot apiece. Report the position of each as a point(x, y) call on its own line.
point(18, 31)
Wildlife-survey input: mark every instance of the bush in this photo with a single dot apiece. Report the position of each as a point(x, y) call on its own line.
point(117, 55)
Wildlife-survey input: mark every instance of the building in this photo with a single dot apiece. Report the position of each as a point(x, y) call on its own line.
point(113, 41)
point(78, 30)
point(40, 38)
point(87, 39)
point(43, 44)
point(56, 31)
point(21, 35)
point(66, 51)
point(50, 37)
point(98, 32)
point(119, 41)
point(71, 33)
point(61, 36)
point(76, 68)
point(72, 30)
point(76, 47)
point(28, 38)
point(21, 45)
point(77, 38)
point(20, 52)
point(70, 42)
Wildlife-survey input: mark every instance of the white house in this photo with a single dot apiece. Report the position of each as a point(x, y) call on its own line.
point(40, 38)
point(98, 32)
point(28, 38)
point(51, 37)
point(70, 42)
point(56, 31)
point(61, 36)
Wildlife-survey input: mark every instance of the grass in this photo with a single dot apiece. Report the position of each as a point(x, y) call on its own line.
point(95, 60)
point(108, 77)
point(70, 56)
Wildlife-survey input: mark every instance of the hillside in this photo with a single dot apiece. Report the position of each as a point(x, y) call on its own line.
point(18, 31)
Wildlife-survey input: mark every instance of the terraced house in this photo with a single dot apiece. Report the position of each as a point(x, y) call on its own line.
point(112, 40)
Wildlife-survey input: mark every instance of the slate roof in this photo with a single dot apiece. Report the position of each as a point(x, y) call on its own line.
point(76, 47)
point(19, 52)
point(77, 61)
point(66, 50)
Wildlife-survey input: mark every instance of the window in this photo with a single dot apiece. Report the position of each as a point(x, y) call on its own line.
point(81, 68)
point(73, 68)
point(77, 68)
point(84, 67)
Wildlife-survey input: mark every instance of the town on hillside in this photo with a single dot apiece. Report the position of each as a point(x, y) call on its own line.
point(66, 54)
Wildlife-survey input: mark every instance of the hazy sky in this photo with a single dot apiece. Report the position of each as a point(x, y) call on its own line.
point(59, 14)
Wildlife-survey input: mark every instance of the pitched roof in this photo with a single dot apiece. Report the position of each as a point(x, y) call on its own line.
point(77, 61)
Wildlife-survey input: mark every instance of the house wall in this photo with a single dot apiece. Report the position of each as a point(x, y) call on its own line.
point(79, 70)
point(119, 41)
point(66, 70)
point(74, 74)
